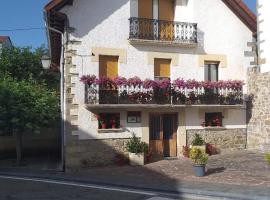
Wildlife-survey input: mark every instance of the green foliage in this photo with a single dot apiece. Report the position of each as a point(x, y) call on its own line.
point(26, 106)
point(198, 157)
point(198, 141)
point(135, 145)
point(25, 64)
point(267, 158)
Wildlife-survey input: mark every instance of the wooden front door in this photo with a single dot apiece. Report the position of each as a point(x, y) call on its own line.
point(163, 134)
point(166, 15)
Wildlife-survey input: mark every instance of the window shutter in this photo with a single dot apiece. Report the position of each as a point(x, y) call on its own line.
point(162, 67)
point(108, 66)
point(146, 9)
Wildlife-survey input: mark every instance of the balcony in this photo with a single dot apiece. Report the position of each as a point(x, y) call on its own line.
point(153, 31)
point(152, 94)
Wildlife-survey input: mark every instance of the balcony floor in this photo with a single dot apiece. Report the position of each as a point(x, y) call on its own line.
point(151, 106)
point(163, 43)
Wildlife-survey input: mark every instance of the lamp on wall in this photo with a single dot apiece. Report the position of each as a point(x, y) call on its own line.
point(46, 62)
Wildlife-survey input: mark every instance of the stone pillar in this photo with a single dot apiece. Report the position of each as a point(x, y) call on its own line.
point(181, 132)
point(145, 126)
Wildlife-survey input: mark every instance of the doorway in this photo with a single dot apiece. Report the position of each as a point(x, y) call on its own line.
point(163, 134)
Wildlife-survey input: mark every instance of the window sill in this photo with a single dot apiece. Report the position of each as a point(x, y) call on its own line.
point(215, 128)
point(114, 130)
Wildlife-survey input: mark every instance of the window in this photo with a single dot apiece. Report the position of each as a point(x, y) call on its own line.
point(211, 72)
point(213, 119)
point(108, 66)
point(108, 120)
point(162, 68)
point(134, 117)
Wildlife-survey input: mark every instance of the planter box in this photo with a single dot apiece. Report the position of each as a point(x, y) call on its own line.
point(199, 170)
point(202, 148)
point(136, 159)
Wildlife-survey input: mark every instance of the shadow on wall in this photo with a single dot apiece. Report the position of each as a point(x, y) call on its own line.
point(83, 155)
point(97, 16)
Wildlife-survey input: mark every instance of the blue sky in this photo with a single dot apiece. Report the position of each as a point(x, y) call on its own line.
point(16, 14)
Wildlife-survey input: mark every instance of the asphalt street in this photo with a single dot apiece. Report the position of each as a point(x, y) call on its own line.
point(20, 189)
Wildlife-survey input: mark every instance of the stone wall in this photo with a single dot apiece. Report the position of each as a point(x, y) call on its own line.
point(258, 133)
point(92, 153)
point(221, 138)
point(46, 142)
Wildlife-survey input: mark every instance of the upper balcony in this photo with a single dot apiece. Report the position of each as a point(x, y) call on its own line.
point(154, 31)
point(122, 93)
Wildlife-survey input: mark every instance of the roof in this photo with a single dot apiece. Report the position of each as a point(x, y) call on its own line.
point(238, 7)
point(4, 38)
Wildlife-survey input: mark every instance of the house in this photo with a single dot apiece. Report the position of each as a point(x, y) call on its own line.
point(5, 42)
point(163, 69)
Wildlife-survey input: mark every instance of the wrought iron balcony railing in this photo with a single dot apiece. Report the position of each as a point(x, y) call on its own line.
point(170, 95)
point(160, 30)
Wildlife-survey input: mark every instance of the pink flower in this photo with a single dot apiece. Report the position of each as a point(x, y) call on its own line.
point(180, 83)
point(134, 81)
point(88, 79)
point(164, 84)
point(120, 81)
point(149, 84)
point(190, 84)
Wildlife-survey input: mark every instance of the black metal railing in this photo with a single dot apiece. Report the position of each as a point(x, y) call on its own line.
point(170, 95)
point(161, 30)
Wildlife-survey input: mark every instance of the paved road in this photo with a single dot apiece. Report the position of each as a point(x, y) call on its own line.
point(19, 189)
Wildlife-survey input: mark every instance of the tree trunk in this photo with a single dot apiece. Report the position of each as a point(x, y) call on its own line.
point(19, 147)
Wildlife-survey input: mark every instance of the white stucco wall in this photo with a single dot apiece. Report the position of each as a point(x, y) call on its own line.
point(263, 7)
point(104, 23)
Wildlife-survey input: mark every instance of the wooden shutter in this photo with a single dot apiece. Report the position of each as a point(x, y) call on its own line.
point(108, 66)
point(162, 67)
point(145, 9)
point(166, 10)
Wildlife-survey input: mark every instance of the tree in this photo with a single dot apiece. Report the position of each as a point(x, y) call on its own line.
point(24, 64)
point(25, 106)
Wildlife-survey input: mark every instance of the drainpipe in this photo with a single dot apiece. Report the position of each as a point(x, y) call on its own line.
point(62, 93)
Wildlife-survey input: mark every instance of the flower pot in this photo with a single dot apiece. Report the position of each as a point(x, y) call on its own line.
point(199, 170)
point(103, 126)
point(136, 159)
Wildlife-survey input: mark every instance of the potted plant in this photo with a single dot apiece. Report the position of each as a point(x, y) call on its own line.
point(102, 121)
point(199, 160)
point(199, 143)
point(137, 150)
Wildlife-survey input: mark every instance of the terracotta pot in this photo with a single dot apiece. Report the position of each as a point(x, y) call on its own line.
point(103, 126)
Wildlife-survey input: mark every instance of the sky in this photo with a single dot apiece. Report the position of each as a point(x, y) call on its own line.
point(18, 14)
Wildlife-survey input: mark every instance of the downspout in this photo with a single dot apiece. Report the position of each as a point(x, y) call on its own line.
point(62, 90)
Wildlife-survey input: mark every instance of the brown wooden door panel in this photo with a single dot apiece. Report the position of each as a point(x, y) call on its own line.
point(163, 135)
point(146, 30)
point(166, 15)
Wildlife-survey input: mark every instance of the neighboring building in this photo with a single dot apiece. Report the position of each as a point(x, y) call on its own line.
point(263, 34)
point(5, 42)
point(259, 84)
point(159, 40)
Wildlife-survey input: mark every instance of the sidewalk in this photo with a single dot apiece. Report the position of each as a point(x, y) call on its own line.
point(237, 175)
